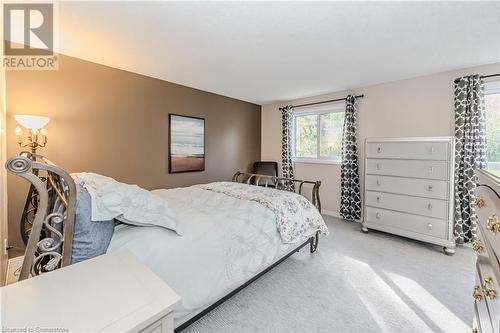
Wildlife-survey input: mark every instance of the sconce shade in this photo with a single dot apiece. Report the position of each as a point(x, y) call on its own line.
point(31, 122)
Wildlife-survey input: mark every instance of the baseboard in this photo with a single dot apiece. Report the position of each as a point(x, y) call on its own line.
point(14, 269)
point(331, 213)
point(336, 215)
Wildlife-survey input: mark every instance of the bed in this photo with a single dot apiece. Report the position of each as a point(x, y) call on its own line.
point(229, 239)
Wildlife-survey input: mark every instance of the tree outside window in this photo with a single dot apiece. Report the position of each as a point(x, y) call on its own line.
point(318, 136)
point(492, 106)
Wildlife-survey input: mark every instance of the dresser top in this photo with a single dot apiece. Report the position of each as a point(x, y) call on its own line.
point(490, 177)
point(494, 173)
point(113, 292)
point(411, 138)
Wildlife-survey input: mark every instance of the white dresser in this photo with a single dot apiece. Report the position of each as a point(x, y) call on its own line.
point(409, 188)
point(486, 291)
point(110, 293)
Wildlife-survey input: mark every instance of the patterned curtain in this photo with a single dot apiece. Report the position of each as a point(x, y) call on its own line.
point(286, 146)
point(470, 152)
point(350, 202)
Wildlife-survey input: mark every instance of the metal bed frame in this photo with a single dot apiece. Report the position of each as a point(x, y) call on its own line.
point(280, 183)
point(310, 241)
point(51, 235)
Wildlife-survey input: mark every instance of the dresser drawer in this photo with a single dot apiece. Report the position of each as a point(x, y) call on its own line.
point(163, 325)
point(414, 223)
point(488, 281)
point(482, 316)
point(437, 189)
point(404, 168)
point(480, 246)
point(426, 150)
point(488, 215)
point(408, 204)
point(476, 324)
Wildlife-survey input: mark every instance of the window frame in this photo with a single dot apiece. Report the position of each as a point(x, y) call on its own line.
point(491, 87)
point(317, 111)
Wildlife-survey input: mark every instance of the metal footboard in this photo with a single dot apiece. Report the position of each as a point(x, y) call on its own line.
point(51, 236)
point(281, 183)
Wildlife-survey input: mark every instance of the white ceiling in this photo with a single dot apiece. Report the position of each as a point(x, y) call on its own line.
point(274, 51)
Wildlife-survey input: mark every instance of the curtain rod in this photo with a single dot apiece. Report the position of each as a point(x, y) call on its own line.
point(323, 102)
point(482, 77)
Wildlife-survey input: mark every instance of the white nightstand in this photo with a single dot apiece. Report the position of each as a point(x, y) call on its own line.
point(112, 293)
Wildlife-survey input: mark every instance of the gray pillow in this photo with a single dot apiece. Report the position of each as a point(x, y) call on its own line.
point(90, 238)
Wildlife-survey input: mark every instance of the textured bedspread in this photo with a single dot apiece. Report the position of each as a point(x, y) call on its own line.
point(295, 215)
point(226, 241)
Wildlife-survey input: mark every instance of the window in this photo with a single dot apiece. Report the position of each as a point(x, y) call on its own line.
point(492, 106)
point(318, 134)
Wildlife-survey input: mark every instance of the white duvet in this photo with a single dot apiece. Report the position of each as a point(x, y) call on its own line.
point(226, 241)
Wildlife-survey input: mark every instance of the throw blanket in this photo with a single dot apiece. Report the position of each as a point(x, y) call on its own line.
point(296, 216)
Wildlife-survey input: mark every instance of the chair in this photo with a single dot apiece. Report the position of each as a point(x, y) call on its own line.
point(267, 168)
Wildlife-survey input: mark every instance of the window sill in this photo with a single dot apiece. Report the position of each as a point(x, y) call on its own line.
point(316, 161)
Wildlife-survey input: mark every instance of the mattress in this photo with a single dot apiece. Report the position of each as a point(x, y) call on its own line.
point(225, 242)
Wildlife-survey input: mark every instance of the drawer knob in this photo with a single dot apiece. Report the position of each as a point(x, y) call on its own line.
point(478, 246)
point(478, 202)
point(493, 224)
point(429, 226)
point(488, 290)
point(377, 216)
point(378, 199)
point(431, 169)
point(429, 206)
point(429, 188)
point(431, 150)
point(378, 166)
point(378, 182)
point(478, 296)
point(379, 150)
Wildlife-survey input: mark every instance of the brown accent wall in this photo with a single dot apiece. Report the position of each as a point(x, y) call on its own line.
point(115, 123)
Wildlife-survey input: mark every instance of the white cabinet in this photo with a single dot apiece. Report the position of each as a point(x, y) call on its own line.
point(110, 293)
point(409, 188)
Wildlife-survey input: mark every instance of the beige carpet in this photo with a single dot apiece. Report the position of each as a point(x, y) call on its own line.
point(355, 282)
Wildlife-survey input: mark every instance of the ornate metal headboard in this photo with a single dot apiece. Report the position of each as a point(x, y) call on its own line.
point(294, 185)
point(51, 236)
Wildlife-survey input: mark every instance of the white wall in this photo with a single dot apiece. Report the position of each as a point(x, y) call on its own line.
point(420, 106)
point(3, 178)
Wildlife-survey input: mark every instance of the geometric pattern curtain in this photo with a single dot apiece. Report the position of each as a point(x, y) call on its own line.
point(470, 152)
point(286, 146)
point(350, 201)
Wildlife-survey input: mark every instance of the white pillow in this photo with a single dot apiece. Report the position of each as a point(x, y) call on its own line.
point(127, 203)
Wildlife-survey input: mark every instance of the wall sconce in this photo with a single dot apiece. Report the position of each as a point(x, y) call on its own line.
point(37, 138)
point(37, 135)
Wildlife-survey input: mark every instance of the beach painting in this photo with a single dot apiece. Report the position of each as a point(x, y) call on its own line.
point(187, 144)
